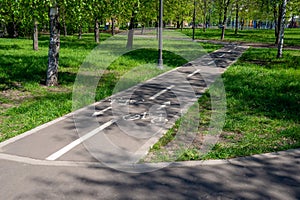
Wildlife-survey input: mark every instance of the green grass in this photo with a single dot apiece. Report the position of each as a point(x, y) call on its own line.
point(263, 106)
point(26, 103)
point(291, 37)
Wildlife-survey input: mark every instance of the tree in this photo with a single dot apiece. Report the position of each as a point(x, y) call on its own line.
point(54, 45)
point(134, 12)
point(281, 31)
point(237, 8)
point(224, 6)
point(34, 11)
point(12, 15)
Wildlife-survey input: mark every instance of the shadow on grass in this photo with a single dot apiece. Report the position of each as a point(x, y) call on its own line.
point(270, 89)
point(72, 42)
point(151, 56)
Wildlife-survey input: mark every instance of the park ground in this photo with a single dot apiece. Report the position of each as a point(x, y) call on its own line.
point(263, 92)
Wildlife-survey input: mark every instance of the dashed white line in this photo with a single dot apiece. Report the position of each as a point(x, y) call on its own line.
point(101, 112)
point(164, 105)
point(195, 72)
point(221, 56)
point(161, 92)
point(229, 51)
point(73, 144)
point(211, 62)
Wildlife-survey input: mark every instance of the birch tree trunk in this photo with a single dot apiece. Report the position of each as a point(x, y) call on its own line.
point(281, 31)
point(54, 45)
point(35, 35)
point(97, 34)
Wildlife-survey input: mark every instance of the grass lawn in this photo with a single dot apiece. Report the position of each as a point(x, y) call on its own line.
point(26, 103)
point(291, 37)
point(263, 106)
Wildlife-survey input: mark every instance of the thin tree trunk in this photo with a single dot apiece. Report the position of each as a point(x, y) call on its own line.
point(54, 45)
point(224, 19)
point(281, 32)
point(35, 35)
point(194, 20)
point(143, 29)
point(80, 33)
point(178, 24)
point(112, 26)
point(243, 23)
point(204, 15)
point(277, 18)
point(131, 31)
point(236, 18)
point(97, 34)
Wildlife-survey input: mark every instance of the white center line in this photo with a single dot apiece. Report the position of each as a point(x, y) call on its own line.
point(161, 92)
point(101, 112)
point(211, 62)
point(73, 144)
point(195, 72)
point(221, 56)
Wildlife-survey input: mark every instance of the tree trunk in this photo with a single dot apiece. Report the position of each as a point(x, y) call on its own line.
point(281, 31)
point(131, 31)
point(12, 30)
point(35, 35)
point(80, 33)
point(178, 24)
point(97, 34)
point(243, 23)
point(279, 23)
point(143, 29)
point(54, 45)
point(224, 19)
point(236, 18)
point(112, 26)
point(194, 19)
point(204, 15)
point(277, 20)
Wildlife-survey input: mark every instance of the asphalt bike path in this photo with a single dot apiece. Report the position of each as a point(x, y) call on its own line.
point(124, 126)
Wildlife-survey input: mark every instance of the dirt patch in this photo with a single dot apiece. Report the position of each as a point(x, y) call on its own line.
point(55, 89)
point(226, 137)
point(15, 95)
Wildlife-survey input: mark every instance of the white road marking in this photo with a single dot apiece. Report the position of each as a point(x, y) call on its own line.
point(101, 112)
point(195, 72)
point(73, 144)
point(161, 92)
point(211, 62)
point(221, 56)
point(229, 51)
point(164, 105)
